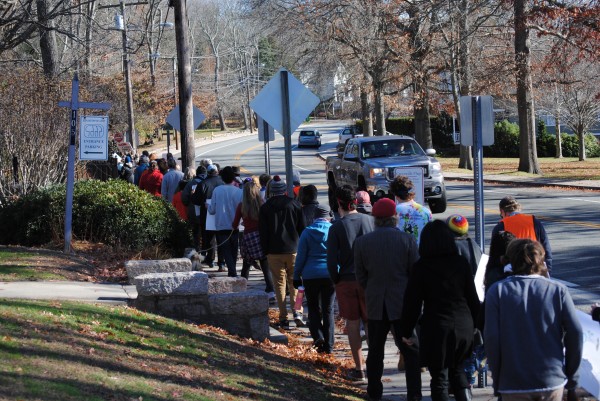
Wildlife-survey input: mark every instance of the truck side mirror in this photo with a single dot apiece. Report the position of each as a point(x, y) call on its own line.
point(430, 152)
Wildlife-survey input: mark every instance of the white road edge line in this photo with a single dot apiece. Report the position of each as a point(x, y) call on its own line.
point(583, 200)
point(221, 147)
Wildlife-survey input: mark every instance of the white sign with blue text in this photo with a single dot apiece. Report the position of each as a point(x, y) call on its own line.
point(93, 138)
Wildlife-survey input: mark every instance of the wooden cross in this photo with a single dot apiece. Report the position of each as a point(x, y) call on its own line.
point(75, 105)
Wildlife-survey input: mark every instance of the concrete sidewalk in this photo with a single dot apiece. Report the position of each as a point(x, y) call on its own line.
point(116, 294)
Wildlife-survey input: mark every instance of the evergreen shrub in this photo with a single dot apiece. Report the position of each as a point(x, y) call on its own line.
point(113, 212)
point(506, 141)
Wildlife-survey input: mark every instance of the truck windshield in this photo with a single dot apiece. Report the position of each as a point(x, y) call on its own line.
point(391, 148)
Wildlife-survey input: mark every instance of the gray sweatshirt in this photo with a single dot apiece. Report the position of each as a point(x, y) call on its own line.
point(528, 322)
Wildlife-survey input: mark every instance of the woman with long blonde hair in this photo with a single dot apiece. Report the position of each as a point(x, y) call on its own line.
point(250, 249)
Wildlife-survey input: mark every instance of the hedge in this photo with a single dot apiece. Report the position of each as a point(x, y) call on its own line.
point(113, 212)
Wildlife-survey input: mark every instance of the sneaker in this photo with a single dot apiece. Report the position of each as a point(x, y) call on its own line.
point(221, 269)
point(357, 375)
point(298, 319)
point(284, 324)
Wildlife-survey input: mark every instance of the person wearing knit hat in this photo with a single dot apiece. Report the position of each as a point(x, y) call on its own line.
point(383, 260)
point(363, 202)
point(280, 224)
point(522, 225)
point(384, 208)
point(143, 165)
point(211, 169)
point(442, 300)
point(277, 186)
point(458, 224)
point(310, 271)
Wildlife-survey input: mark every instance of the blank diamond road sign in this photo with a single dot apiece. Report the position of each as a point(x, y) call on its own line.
point(268, 104)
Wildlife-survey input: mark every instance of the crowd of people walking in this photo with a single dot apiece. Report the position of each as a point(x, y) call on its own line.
point(389, 267)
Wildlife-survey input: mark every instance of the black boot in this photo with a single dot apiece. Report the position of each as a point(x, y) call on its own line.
point(463, 394)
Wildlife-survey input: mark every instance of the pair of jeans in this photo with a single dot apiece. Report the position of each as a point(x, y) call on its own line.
point(377, 333)
point(282, 270)
point(320, 294)
point(227, 241)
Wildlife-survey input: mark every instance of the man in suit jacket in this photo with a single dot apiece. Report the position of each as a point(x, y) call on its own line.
point(383, 260)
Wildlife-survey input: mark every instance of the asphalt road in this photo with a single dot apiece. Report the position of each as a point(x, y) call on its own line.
point(571, 217)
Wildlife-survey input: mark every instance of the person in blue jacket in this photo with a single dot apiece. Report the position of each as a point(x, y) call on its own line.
point(310, 270)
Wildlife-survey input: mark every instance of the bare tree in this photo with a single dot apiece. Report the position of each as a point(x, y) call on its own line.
point(580, 98)
point(32, 155)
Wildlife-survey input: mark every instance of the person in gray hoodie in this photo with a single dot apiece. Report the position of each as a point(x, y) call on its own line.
point(533, 338)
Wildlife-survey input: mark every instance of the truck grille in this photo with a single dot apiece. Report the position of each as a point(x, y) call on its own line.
point(392, 169)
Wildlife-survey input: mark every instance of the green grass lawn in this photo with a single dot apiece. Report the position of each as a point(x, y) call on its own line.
point(568, 168)
point(17, 266)
point(73, 351)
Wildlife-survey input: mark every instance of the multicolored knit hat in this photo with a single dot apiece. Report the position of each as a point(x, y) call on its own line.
point(459, 224)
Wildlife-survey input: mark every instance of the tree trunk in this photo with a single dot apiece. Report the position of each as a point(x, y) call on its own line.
point(558, 138)
point(528, 161)
point(421, 92)
point(464, 62)
point(422, 125)
point(221, 115)
point(47, 40)
point(581, 136)
point(245, 114)
point(367, 116)
point(421, 110)
point(379, 107)
point(557, 123)
point(89, 20)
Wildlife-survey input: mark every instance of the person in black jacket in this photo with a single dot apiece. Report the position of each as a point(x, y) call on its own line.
point(280, 224)
point(308, 198)
point(340, 264)
point(441, 295)
point(203, 192)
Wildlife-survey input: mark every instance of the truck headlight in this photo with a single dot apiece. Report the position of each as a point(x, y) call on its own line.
point(377, 172)
point(436, 168)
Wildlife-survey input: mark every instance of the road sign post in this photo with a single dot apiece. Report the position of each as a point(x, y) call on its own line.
point(477, 130)
point(75, 105)
point(266, 133)
point(287, 132)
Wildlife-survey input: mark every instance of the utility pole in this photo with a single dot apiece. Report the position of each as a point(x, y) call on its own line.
point(132, 135)
point(186, 112)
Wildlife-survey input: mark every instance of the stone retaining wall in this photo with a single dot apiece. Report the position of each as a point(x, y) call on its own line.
point(138, 267)
point(220, 301)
